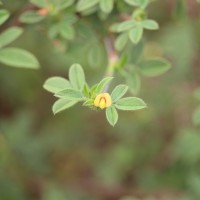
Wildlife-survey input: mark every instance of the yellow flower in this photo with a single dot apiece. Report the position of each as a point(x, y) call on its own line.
point(103, 100)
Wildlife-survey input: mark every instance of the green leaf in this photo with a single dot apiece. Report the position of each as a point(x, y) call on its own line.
point(86, 90)
point(9, 35)
point(85, 4)
point(53, 31)
point(124, 26)
point(4, 15)
point(135, 52)
point(150, 24)
point(134, 82)
point(106, 5)
point(70, 94)
point(30, 17)
point(196, 116)
point(62, 104)
point(56, 84)
point(67, 31)
point(62, 4)
point(132, 2)
point(112, 115)
point(77, 76)
point(118, 92)
point(89, 102)
point(95, 55)
point(18, 58)
point(103, 83)
point(121, 41)
point(154, 66)
point(40, 3)
point(130, 103)
point(135, 34)
point(141, 3)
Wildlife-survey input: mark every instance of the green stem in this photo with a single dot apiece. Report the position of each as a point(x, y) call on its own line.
point(112, 58)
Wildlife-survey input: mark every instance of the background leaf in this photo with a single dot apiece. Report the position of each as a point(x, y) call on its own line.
point(134, 82)
point(15, 57)
point(121, 41)
point(150, 24)
point(154, 66)
point(135, 34)
point(30, 17)
point(9, 35)
point(4, 15)
point(106, 5)
point(85, 4)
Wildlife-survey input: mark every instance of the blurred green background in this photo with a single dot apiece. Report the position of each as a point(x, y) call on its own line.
point(153, 154)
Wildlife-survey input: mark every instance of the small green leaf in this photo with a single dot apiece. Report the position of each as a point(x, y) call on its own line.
point(118, 92)
point(67, 31)
point(134, 82)
point(30, 17)
point(9, 35)
point(135, 34)
point(86, 90)
point(56, 84)
point(140, 3)
point(77, 76)
point(95, 55)
point(85, 4)
point(124, 26)
point(62, 4)
point(144, 3)
point(4, 15)
point(196, 116)
point(103, 83)
point(53, 31)
point(150, 24)
point(15, 57)
point(132, 2)
point(106, 5)
point(89, 102)
point(154, 66)
point(40, 3)
point(62, 104)
point(112, 115)
point(130, 103)
point(70, 94)
point(121, 41)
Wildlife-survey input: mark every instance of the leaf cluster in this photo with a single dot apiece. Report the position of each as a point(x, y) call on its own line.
point(11, 56)
point(76, 89)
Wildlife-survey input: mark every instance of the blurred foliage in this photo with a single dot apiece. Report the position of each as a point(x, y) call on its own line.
point(150, 155)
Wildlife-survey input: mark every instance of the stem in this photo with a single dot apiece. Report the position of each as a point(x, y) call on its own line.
point(112, 58)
